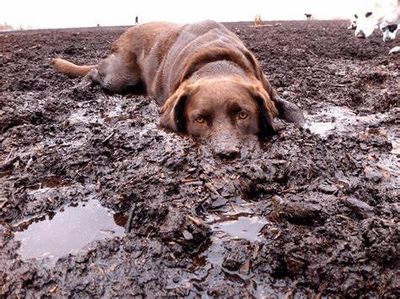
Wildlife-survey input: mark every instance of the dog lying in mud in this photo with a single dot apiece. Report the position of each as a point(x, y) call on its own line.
point(208, 83)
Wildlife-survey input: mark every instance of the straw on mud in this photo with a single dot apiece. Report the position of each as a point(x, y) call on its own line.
point(129, 222)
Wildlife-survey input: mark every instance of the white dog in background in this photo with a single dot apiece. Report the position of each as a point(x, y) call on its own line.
point(388, 30)
point(384, 14)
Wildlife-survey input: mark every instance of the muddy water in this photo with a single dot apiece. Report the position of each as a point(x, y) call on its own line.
point(68, 231)
point(240, 227)
point(338, 120)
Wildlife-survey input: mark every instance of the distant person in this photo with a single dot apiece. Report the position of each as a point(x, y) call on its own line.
point(136, 20)
point(257, 21)
point(308, 16)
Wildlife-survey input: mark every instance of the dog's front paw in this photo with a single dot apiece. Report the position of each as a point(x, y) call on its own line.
point(83, 85)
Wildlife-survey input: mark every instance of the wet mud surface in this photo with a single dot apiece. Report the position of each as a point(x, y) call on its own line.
point(311, 212)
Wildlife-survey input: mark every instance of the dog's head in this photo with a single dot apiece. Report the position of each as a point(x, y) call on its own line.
point(226, 111)
point(371, 13)
point(366, 24)
point(389, 30)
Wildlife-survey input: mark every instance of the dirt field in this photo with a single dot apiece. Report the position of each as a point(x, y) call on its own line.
point(312, 212)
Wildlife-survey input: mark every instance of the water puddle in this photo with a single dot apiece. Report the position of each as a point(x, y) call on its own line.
point(337, 119)
point(342, 120)
point(240, 226)
point(68, 231)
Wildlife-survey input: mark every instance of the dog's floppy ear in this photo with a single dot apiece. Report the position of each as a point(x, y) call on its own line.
point(173, 111)
point(286, 110)
point(267, 108)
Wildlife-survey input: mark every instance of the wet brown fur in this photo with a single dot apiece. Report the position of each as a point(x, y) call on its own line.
point(173, 61)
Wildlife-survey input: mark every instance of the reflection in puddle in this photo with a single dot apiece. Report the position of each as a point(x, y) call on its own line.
point(238, 226)
point(215, 253)
point(68, 231)
point(242, 227)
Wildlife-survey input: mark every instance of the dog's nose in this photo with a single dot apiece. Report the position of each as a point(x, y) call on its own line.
point(387, 38)
point(229, 153)
point(360, 34)
point(225, 144)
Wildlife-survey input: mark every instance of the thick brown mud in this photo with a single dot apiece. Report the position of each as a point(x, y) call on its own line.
point(312, 212)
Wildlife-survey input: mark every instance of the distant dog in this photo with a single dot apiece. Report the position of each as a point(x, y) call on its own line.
point(257, 20)
point(208, 83)
point(308, 16)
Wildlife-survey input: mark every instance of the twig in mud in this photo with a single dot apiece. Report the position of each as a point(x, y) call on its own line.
point(189, 181)
point(233, 207)
point(29, 163)
point(10, 154)
point(255, 252)
point(196, 221)
point(108, 137)
point(338, 85)
point(290, 190)
point(194, 183)
point(53, 289)
point(343, 217)
point(9, 163)
point(2, 205)
point(212, 188)
point(129, 222)
point(277, 235)
point(312, 53)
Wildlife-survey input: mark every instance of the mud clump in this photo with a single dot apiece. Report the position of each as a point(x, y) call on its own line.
point(310, 212)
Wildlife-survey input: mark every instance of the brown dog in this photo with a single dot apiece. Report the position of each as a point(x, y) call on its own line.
point(208, 84)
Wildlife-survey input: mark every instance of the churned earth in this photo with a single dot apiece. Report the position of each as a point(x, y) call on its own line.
point(311, 212)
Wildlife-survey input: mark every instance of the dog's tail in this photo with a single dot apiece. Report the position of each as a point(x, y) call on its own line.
point(71, 69)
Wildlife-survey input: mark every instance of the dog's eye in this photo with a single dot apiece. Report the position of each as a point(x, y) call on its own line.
point(200, 119)
point(368, 14)
point(243, 115)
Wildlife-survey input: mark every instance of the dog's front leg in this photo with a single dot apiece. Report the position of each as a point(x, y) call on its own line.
point(91, 79)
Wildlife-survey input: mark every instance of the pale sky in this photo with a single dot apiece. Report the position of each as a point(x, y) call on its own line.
point(80, 13)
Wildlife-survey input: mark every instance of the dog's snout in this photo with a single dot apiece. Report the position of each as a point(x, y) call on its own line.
point(228, 153)
point(360, 34)
point(225, 144)
point(387, 38)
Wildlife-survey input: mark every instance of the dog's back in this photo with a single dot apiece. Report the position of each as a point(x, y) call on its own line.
point(159, 56)
point(196, 45)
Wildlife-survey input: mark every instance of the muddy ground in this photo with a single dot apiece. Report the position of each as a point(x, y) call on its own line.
point(311, 212)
